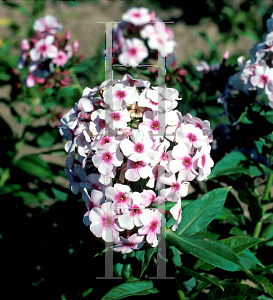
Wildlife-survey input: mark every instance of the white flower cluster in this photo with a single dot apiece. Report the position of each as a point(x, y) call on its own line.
point(114, 128)
point(139, 33)
point(256, 74)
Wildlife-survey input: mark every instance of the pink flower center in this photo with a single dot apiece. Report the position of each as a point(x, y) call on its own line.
point(120, 197)
point(42, 48)
point(264, 79)
point(175, 186)
point(108, 221)
point(152, 102)
point(139, 148)
point(164, 156)
point(199, 125)
point(107, 157)
point(132, 51)
point(187, 162)
point(105, 140)
point(192, 137)
point(116, 116)
point(154, 125)
point(136, 15)
point(154, 225)
point(135, 209)
point(203, 161)
point(120, 95)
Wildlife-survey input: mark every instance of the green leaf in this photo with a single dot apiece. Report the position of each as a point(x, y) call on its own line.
point(176, 256)
point(202, 211)
point(34, 165)
point(201, 277)
point(268, 232)
point(212, 252)
point(237, 231)
point(59, 195)
point(238, 244)
point(87, 292)
point(265, 283)
point(145, 256)
point(249, 259)
point(232, 163)
point(234, 291)
point(133, 288)
point(117, 269)
point(10, 188)
point(47, 139)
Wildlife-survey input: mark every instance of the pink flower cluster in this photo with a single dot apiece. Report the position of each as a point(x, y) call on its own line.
point(139, 35)
point(256, 74)
point(113, 138)
point(45, 51)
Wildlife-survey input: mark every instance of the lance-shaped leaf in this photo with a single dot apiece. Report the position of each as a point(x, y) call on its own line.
point(145, 256)
point(238, 244)
point(202, 211)
point(133, 288)
point(201, 277)
point(234, 163)
point(213, 252)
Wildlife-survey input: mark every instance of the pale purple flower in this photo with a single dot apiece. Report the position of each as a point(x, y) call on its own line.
point(263, 78)
point(47, 24)
point(136, 215)
point(176, 212)
point(103, 219)
point(136, 170)
point(191, 136)
point(162, 156)
point(133, 52)
point(75, 175)
point(204, 162)
point(92, 201)
point(127, 245)
point(147, 197)
point(140, 148)
point(60, 59)
point(152, 228)
point(154, 175)
point(128, 80)
point(119, 95)
point(44, 48)
point(150, 122)
point(177, 189)
point(137, 16)
point(105, 158)
point(117, 118)
point(183, 162)
point(119, 194)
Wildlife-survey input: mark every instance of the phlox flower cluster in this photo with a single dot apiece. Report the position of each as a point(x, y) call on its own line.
point(121, 165)
point(138, 37)
point(256, 74)
point(47, 55)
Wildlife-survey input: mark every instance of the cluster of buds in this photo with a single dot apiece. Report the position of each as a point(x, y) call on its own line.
point(138, 37)
point(256, 74)
point(46, 55)
point(173, 73)
point(126, 143)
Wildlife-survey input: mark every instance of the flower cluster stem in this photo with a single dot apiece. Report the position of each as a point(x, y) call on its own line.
point(259, 225)
point(76, 81)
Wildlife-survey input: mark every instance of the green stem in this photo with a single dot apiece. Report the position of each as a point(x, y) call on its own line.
point(180, 293)
point(75, 80)
point(259, 225)
point(268, 187)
